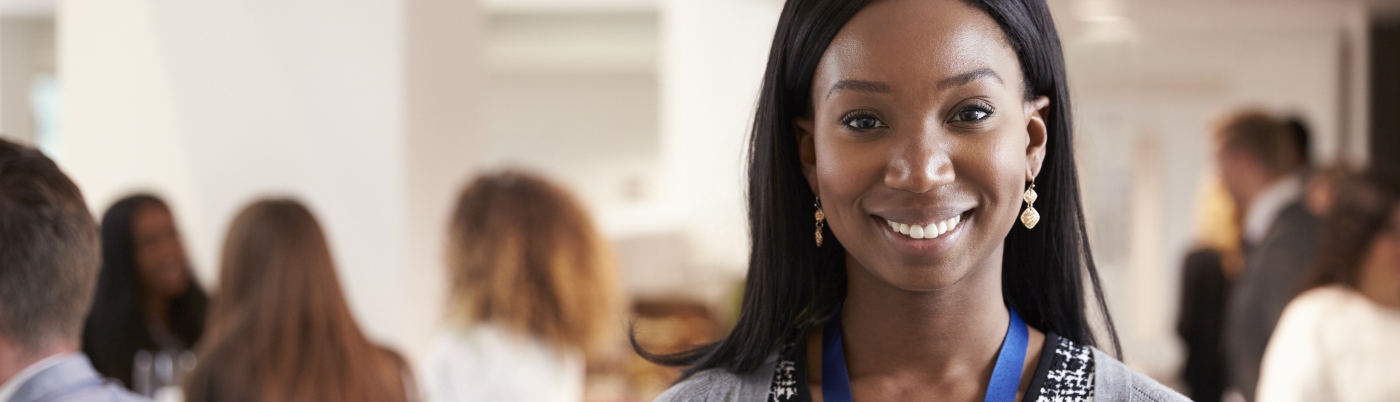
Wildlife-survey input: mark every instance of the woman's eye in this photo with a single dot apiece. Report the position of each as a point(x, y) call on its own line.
point(862, 122)
point(973, 114)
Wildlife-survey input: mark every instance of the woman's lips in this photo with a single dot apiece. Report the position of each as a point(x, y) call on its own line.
point(929, 231)
point(925, 238)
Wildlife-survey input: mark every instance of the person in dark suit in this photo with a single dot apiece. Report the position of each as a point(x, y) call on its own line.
point(48, 268)
point(1261, 168)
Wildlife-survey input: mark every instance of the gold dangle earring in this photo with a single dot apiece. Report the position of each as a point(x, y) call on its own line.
point(1030, 217)
point(821, 221)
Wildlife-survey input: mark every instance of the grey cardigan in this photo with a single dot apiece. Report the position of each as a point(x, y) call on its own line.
point(1112, 382)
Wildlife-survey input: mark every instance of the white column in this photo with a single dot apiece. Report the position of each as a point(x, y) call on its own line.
point(713, 54)
point(444, 136)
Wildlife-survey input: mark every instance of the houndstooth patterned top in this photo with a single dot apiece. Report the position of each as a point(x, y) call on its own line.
point(1066, 374)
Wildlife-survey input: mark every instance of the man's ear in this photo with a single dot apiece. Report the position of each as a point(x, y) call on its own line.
point(1038, 133)
point(804, 127)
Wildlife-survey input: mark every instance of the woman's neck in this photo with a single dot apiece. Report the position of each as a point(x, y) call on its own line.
point(939, 333)
point(907, 345)
point(1379, 282)
point(157, 310)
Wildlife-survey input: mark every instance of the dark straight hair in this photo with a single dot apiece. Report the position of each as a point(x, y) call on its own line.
point(793, 285)
point(116, 328)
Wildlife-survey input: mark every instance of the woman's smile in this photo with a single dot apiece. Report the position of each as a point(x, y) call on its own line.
point(923, 233)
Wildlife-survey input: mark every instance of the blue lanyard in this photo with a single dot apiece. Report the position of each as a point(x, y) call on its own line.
point(1006, 374)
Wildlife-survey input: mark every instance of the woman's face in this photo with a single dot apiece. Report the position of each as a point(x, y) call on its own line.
point(919, 118)
point(1380, 270)
point(160, 258)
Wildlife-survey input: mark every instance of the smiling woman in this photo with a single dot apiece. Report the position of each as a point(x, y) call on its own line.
point(146, 298)
point(917, 130)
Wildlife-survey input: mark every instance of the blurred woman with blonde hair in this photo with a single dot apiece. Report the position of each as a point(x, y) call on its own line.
point(280, 329)
point(533, 295)
point(1206, 275)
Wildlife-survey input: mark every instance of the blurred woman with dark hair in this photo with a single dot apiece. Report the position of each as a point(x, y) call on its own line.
point(147, 299)
point(1337, 341)
point(280, 329)
point(533, 295)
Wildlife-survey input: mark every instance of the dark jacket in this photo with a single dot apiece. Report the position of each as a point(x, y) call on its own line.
point(1204, 290)
point(1274, 272)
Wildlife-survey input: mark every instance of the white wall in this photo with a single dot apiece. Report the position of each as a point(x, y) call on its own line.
point(641, 107)
point(712, 62)
point(212, 104)
point(574, 96)
point(443, 145)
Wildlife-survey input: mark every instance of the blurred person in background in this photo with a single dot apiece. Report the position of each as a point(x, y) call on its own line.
point(924, 135)
point(534, 295)
point(1258, 158)
point(1298, 129)
point(1321, 191)
point(279, 329)
point(147, 299)
point(49, 259)
point(1340, 340)
point(1206, 274)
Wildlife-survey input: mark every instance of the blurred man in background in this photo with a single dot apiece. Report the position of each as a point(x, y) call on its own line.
point(1261, 167)
point(48, 266)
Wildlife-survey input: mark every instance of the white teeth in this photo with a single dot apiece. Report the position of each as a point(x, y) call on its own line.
point(930, 231)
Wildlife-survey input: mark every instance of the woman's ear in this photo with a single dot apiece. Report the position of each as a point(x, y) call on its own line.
point(803, 127)
point(1039, 135)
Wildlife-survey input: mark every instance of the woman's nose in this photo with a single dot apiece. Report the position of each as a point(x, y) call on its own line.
point(920, 163)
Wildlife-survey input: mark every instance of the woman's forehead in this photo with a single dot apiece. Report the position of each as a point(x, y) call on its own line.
point(918, 44)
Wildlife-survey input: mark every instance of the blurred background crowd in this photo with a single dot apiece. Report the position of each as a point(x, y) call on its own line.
point(507, 186)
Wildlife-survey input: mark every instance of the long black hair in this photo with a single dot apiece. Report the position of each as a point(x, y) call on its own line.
point(793, 285)
point(116, 328)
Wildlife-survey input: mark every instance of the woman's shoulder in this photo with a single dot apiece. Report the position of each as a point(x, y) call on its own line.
point(1070, 371)
point(1325, 297)
point(721, 385)
point(1114, 381)
point(481, 350)
point(489, 363)
point(1316, 306)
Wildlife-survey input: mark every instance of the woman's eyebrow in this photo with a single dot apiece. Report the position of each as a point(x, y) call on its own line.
point(858, 85)
point(880, 87)
point(969, 77)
